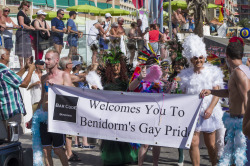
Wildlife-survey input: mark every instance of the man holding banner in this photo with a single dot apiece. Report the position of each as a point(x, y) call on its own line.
point(193, 80)
point(48, 139)
point(238, 89)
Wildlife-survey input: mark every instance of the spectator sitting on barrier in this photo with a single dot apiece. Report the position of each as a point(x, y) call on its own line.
point(103, 43)
point(58, 28)
point(133, 36)
point(43, 31)
point(9, 25)
point(23, 42)
point(11, 103)
point(177, 19)
point(114, 37)
point(93, 37)
point(73, 34)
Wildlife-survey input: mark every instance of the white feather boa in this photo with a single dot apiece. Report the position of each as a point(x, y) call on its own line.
point(94, 79)
point(235, 148)
point(193, 83)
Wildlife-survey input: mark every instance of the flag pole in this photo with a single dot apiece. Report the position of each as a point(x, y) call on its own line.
point(137, 14)
point(170, 19)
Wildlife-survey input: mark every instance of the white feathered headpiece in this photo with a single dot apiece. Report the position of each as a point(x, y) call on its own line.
point(193, 46)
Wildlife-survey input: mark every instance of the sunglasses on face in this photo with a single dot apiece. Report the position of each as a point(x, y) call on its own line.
point(6, 10)
point(62, 14)
point(196, 58)
point(28, 6)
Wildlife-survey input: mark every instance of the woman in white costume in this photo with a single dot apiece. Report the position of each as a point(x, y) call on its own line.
point(193, 80)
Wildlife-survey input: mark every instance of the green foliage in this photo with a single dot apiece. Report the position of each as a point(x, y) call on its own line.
point(113, 56)
point(244, 23)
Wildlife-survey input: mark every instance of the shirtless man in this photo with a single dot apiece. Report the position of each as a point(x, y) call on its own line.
point(120, 30)
point(54, 76)
point(177, 19)
point(238, 87)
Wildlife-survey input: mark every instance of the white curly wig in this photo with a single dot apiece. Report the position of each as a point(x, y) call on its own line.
point(193, 46)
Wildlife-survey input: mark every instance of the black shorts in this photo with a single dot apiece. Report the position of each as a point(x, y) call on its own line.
point(49, 139)
point(58, 40)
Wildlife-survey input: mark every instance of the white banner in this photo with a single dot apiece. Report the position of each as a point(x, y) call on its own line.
point(154, 119)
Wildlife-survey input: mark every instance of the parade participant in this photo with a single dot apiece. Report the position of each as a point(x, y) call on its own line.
point(73, 34)
point(238, 87)
point(66, 65)
point(177, 19)
point(115, 78)
point(11, 103)
point(165, 71)
point(58, 28)
point(172, 86)
point(145, 83)
point(94, 33)
point(35, 86)
point(77, 66)
point(193, 80)
point(49, 140)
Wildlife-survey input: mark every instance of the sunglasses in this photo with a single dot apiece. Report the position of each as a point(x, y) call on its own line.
point(28, 6)
point(6, 10)
point(196, 58)
point(62, 14)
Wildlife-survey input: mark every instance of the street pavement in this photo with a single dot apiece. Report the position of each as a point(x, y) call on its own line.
point(168, 156)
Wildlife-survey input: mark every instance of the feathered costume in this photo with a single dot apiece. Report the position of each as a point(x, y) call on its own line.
point(38, 117)
point(115, 152)
point(193, 83)
point(236, 147)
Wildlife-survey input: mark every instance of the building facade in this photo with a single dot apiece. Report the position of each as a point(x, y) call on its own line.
point(230, 9)
point(243, 9)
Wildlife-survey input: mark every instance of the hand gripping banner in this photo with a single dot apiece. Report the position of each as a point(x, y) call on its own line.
point(154, 119)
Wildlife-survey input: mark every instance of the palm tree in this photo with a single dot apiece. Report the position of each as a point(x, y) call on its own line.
point(198, 6)
point(244, 23)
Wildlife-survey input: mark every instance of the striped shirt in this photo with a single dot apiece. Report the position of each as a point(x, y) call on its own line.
point(11, 102)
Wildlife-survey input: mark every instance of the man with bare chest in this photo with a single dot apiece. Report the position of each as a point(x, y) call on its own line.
point(120, 30)
point(177, 19)
point(238, 87)
point(54, 76)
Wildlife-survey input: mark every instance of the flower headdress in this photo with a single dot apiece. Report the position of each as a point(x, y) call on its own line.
point(113, 56)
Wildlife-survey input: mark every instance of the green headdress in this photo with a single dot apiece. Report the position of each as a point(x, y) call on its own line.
point(113, 56)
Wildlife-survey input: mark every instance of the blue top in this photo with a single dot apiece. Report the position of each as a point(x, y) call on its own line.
point(72, 24)
point(59, 24)
point(82, 84)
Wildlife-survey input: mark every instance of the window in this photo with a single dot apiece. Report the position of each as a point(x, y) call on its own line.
point(12, 2)
point(217, 12)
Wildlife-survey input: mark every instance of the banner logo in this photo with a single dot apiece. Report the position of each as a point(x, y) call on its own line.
point(65, 108)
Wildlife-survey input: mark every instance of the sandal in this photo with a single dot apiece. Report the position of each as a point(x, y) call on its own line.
point(74, 158)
